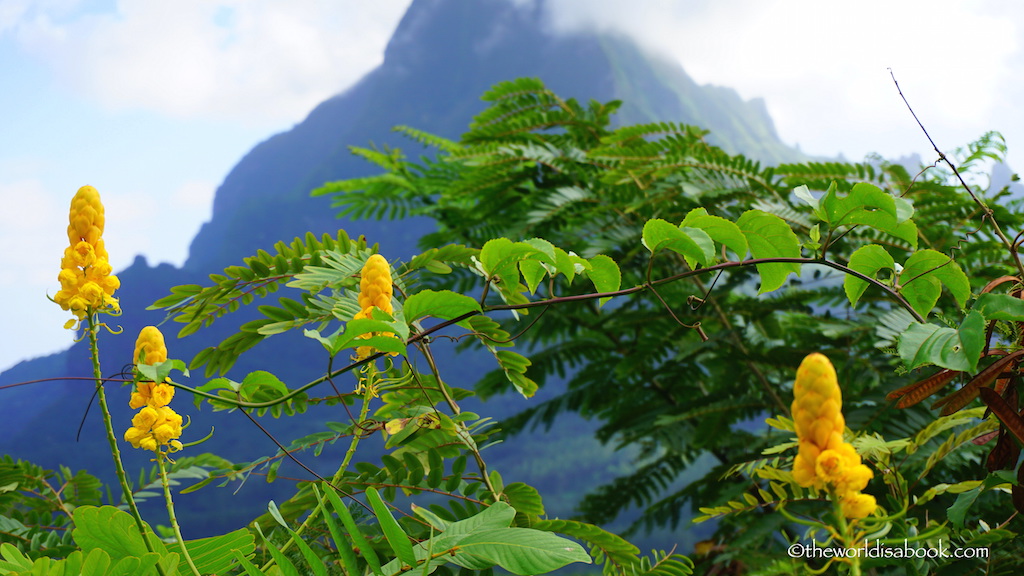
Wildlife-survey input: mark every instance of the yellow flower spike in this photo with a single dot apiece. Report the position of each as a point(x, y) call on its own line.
point(156, 425)
point(824, 458)
point(375, 285)
point(87, 285)
point(375, 291)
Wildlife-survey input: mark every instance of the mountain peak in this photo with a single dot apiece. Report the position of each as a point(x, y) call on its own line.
point(448, 27)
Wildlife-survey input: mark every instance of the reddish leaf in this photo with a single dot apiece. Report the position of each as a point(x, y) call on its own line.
point(918, 391)
point(963, 396)
point(1000, 387)
point(1007, 415)
point(985, 438)
point(1001, 280)
point(1003, 454)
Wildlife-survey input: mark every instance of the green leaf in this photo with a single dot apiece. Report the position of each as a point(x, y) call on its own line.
point(520, 550)
point(312, 560)
point(719, 229)
point(515, 365)
point(213, 555)
point(958, 511)
point(867, 260)
point(350, 524)
point(96, 563)
point(287, 568)
point(803, 193)
point(867, 204)
point(159, 372)
point(568, 263)
point(921, 277)
point(248, 566)
point(497, 515)
point(693, 243)
point(15, 560)
point(605, 275)
point(434, 520)
point(524, 498)
point(533, 272)
point(262, 385)
point(342, 544)
point(500, 257)
point(438, 267)
point(439, 304)
point(354, 329)
point(1000, 307)
point(958, 349)
point(113, 531)
point(768, 236)
point(396, 537)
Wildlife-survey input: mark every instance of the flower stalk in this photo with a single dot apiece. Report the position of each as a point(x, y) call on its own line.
point(161, 465)
point(86, 290)
point(92, 327)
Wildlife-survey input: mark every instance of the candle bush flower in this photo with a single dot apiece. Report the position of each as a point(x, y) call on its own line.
point(825, 460)
point(156, 424)
point(86, 281)
point(375, 291)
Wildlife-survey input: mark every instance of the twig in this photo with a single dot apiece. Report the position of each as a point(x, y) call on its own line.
point(988, 211)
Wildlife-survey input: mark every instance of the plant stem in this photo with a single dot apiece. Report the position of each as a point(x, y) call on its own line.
point(844, 530)
point(94, 351)
point(170, 512)
point(367, 379)
point(466, 436)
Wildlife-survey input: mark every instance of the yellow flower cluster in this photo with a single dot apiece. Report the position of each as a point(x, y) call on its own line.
point(156, 424)
point(375, 291)
point(825, 459)
point(86, 282)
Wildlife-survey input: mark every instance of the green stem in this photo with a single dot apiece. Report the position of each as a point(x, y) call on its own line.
point(367, 379)
point(94, 352)
point(170, 512)
point(845, 531)
point(464, 433)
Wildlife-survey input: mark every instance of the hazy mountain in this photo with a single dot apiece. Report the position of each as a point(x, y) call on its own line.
point(442, 57)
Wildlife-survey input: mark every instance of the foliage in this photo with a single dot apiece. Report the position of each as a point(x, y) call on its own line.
point(710, 355)
point(673, 287)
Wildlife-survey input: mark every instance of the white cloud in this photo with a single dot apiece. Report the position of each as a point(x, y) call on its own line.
point(822, 66)
point(32, 225)
point(260, 62)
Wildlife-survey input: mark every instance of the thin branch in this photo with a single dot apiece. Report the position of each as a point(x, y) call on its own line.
point(989, 215)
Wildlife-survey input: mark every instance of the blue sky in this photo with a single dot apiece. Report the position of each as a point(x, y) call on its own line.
point(154, 102)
